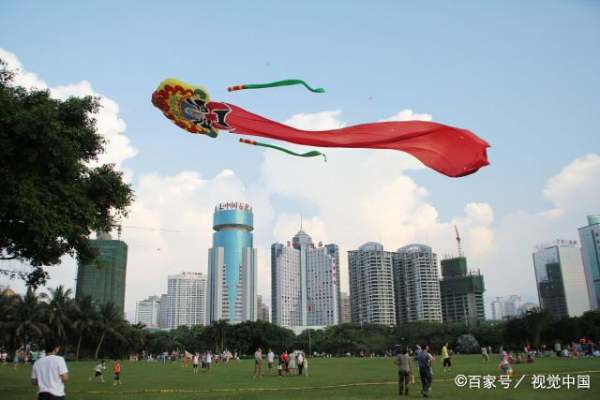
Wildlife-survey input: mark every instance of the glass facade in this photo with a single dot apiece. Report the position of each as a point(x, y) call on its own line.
point(104, 279)
point(232, 264)
point(590, 253)
point(560, 279)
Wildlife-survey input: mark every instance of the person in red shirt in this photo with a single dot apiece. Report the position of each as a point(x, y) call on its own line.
point(117, 371)
point(286, 359)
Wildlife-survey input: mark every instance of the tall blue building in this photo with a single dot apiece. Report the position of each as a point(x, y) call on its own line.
point(232, 265)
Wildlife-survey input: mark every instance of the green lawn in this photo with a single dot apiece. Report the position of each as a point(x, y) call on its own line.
point(347, 378)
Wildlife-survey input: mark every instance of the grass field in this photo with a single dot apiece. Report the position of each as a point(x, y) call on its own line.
point(342, 378)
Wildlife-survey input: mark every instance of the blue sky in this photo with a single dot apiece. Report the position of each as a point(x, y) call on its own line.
point(521, 74)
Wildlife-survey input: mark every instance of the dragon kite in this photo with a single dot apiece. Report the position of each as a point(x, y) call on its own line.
point(451, 151)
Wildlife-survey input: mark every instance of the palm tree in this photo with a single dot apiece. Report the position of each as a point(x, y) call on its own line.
point(84, 318)
point(29, 317)
point(220, 328)
point(136, 336)
point(7, 317)
point(59, 307)
point(109, 322)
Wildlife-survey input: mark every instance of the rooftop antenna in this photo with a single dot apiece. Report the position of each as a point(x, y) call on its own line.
point(460, 252)
point(300, 221)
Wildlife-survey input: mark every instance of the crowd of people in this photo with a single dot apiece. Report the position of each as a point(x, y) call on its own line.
point(50, 371)
point(289, 364)
point(421, 359)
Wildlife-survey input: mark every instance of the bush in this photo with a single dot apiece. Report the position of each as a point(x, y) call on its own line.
point(467, 344)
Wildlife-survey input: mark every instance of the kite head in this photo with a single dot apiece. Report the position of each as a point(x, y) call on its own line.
point(190, 108)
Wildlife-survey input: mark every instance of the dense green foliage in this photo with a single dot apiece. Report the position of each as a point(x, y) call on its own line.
point(51, 197)
point(331, 378)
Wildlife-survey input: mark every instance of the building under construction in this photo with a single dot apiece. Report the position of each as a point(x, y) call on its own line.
point(461, 290)
point(103, 279)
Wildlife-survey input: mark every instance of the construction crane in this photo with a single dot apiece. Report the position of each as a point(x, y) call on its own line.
point(460, 252)
point(145, 228)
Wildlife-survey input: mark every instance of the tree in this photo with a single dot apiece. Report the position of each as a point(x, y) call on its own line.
point(537, 322)
point(109, 323)
point(8, 307)
point(30, 314)
point(84, 319)
point(58, 314)
point(52, 198)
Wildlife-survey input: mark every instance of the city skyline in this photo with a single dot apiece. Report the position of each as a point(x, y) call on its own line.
point(592, 222)
point(523, 86)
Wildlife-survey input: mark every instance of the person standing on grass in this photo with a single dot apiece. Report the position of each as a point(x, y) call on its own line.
point(117, 372)
point(270, 360)
point(286, 360)
point(16, 359)
point(292, 363)
point(424, 360)
point(50, 373)
point(257, 363)
point(98, 372)
point(209, 360)
point(195, 363)
point(505, 365)
point(446, 357)
point(305, 365)
point(484, 354)
point(301, 363)
point(403, 362)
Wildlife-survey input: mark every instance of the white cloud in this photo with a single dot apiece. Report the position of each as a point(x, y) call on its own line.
point(408, 115)
point(577, 186)
point(574, 193)
point(23, 78)
point(118, 146)
point(316, 121)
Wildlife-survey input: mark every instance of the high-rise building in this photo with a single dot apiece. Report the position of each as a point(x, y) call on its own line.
point(560, 279)
point(262, 313)
point(506, 307)
point(371, 276)
point(461, 292)
point(334, 251)
point(346, 315)
point(147, 311)
point(232, 264)
point(510, 307)
point(416, 284)
point(497, 309)
point(305, 286)
point(163, 312)
point(104, 278)
point(589, 237)
point(186, 299)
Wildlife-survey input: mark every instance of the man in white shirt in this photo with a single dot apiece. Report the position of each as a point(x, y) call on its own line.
point(50, 373)
point(270, 360)
point(257, 362)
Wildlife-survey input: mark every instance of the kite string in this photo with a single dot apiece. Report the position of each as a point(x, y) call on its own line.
point(312, 153)
point(286, 82)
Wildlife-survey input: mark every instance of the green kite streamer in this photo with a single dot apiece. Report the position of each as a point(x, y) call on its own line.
point(286, 82)
point(312, 153)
